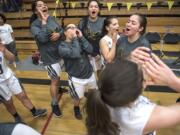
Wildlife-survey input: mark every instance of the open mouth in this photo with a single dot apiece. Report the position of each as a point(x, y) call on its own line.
point(45, 10)
point(93, 12)
point(127, 29)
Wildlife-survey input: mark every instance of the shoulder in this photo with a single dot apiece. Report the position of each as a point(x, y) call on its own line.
point(101, 19)
point(105, 37)
point(83, 20)
point(144, 42)
point(7, 25)
point(103, 40)
point(35, 23)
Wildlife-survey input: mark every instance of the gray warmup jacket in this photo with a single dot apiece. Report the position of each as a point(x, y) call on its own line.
point(75, 57)
point(42, 33)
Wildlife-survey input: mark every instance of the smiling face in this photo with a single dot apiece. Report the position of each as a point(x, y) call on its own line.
point(133, 26)
point(113, 26)
point(93, 9)
point(41, 6)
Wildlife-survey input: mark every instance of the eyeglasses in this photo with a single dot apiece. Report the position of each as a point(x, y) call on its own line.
point(70, 27)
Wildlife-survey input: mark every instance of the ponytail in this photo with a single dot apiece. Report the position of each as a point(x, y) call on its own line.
point(98, 121)
point(34, 15)
point(32, 18)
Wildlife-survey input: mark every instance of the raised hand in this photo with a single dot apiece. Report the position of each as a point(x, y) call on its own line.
point(158, 71)
point(140, 55)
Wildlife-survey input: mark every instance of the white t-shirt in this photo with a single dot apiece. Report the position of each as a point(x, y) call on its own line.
point(133, 119)
point(5, 33)
point(109, 43)
point(5, 71)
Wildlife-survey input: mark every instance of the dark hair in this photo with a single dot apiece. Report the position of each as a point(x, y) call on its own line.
point(3, 17)
point(33, 6)
point(119, 85)
point(107, 22)
point(142, 21)
point(34, 15)
point(89, 2)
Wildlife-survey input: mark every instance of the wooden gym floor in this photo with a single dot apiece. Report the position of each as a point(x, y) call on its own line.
point(67, 125)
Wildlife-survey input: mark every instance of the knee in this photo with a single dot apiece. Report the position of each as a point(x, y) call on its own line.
point(22, 96)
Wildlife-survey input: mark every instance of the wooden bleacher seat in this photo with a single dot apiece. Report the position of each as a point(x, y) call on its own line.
point(166, 47)
point(160, 20)
point(26, 47)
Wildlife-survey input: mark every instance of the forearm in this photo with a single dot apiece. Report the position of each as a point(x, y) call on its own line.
point(70, 52)
point(8, 55)
point(86, 45)
point(175, 84)
point(110, 56)
point(40, 34)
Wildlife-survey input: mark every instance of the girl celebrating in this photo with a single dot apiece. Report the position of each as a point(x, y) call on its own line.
point(91, 27)
point(108, 42)
point(47, 32)
point(133, 36)
point(74, 50)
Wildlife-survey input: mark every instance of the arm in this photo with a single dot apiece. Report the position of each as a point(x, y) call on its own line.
point(163, 117)
point(56, 35)
point(147, 44)
point(40, 34)
point(12, 33)
point(107, 53)
point(7, 54)
point(161, 73)
point(70, 52)
point(86, 46)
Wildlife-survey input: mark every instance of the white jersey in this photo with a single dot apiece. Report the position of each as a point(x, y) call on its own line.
point(5, 33)
point(133, 119)
point(5, 71)
point(109, 43)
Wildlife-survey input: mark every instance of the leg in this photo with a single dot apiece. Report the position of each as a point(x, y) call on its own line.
point(76, 92)
point(28, 104)
point(53, 72)
point(12, 110)
point(55, 97)
point(25, 100)
point(18, 90)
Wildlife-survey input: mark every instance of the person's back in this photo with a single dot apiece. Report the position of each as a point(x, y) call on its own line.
point(133, 118)
point(118, 107)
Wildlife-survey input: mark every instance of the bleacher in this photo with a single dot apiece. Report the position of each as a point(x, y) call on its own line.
point(160, 19)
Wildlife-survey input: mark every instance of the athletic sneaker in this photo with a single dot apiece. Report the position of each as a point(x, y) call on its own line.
point(40, 112)
point(56, 111)
point(77, 113)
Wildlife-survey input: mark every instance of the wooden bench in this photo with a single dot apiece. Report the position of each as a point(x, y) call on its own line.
point(167, 22)
point(166, 47)
point(26, 47)
point(26, 34)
